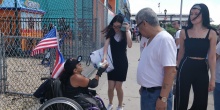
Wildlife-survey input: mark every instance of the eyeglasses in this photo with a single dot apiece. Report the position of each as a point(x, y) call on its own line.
point(116, 27)
point(139, 24)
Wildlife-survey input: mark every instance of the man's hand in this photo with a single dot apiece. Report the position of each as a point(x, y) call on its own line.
point(140, 90)
point(161, 105)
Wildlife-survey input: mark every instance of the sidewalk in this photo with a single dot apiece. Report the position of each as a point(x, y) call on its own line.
point(130, 86)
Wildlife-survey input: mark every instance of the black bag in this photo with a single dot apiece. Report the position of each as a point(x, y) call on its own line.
point(49, 89)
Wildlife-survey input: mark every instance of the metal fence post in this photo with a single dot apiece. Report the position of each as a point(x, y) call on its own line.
point(76, 28)
point(1, 62)
point(98, 39)
point(4, 66)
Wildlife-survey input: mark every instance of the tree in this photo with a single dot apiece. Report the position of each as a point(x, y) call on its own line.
point(215, 26)
point(170, 29)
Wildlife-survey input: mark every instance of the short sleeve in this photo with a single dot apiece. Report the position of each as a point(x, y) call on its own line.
point(218, 48)
point(177, 34)
point(168, 52)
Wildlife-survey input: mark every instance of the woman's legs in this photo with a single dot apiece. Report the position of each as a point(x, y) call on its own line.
point(200, 92)
point(183, 85)
point(120, 93)
point(111, 86)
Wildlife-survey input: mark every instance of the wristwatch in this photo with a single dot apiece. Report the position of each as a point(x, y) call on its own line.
point(163, 99)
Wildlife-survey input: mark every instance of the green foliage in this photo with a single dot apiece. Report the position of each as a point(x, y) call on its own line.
point(215, 26)
point(170, 29)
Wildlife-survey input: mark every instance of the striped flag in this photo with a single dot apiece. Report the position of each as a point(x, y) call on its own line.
point(59, 64)
point(50, 40)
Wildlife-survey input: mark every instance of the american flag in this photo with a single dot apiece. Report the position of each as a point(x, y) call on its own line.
point(59, 64)
point(50, 40)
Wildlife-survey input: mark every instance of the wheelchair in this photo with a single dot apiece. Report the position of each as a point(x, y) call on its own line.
point(60, 103)
point(54, 100)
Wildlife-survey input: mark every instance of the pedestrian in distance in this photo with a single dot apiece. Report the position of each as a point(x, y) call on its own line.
point(157, 66)
point(197, 42)
point(176, 36)
point(176, 26)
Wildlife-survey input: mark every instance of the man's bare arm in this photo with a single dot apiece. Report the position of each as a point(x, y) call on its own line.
point(169, 75)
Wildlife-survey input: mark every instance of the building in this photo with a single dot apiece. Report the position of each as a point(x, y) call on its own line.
point(18, 17)
point(118, 6)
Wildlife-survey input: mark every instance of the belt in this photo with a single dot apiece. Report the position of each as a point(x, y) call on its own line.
point(151, 89)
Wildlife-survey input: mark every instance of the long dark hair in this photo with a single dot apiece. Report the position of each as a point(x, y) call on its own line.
point(64, 77)
point(205, 16)
point(109, 31)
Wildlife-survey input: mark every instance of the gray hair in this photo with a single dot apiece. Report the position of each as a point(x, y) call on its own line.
point(147, 14)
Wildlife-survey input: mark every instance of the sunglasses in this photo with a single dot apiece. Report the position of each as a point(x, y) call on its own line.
point(116, 26)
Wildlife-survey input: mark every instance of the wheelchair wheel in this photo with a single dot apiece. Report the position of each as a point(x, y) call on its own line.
point(61, 103)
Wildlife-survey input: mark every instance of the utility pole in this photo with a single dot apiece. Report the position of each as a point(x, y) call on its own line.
point(181, 4)
point(159, 7)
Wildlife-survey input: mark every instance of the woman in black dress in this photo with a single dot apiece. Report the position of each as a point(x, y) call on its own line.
point(118, 41)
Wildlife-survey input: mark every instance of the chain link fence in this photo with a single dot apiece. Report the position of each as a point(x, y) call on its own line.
point(23, 23)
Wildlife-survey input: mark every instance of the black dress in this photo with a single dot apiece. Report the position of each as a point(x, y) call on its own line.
point(120, 61)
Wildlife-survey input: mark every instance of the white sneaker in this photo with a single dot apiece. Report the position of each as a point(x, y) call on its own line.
point(119, 108)
point(110, 107)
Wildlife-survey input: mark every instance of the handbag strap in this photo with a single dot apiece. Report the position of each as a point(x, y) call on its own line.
point(110, 59)
point(88, 61)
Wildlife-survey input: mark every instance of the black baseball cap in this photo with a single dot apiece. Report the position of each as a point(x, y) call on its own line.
point(71, 63)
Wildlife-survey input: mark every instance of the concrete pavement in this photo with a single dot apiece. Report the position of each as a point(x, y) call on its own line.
point(130, 86)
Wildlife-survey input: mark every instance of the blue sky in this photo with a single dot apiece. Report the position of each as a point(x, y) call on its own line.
point(173, 6)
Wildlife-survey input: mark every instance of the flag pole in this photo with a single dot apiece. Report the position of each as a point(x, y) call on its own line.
point(181, 4)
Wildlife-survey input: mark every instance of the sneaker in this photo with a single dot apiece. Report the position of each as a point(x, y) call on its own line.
point(110, 107)
point(119, 108)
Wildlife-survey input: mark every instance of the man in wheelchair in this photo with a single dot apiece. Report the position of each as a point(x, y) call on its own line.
point(76, 86)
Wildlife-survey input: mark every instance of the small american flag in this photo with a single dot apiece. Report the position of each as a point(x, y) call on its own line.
point(50, 40)
point(59, 64)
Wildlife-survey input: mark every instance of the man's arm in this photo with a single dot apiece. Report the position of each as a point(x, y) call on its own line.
point(169, 75)
point(218, 51)
point(177, 39)
point(168, 60)
point(217, 56)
